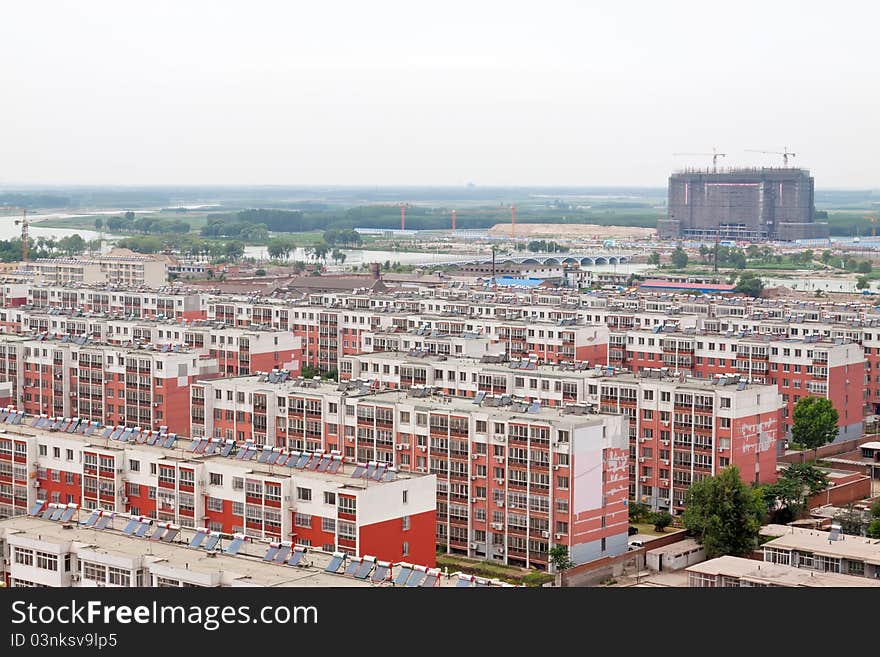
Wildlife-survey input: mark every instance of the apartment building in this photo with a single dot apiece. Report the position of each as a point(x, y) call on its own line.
point(683, 430)
point(158, 302)
point(130, 269)
point(64, 377)
point(799, 367)
point(506, 473)
point(91, 549)
point(312, 499)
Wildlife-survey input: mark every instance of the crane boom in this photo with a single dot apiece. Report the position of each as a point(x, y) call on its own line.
point(785, 153)
point(715, 155)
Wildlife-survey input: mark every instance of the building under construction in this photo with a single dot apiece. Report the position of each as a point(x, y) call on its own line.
point(742, 204)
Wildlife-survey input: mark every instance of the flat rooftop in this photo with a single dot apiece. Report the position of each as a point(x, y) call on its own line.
point(182, 452)
point(856, 548)
point(246, 568)
point(762, 572)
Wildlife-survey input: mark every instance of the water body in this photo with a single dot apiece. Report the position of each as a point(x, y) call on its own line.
point(360, 256)
point(8, 230)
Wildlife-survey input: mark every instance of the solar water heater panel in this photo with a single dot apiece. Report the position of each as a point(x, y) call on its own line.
point(283, 553)
point(104, 521)
point(402, 575)
point(170, 535)
point(364, 569)
point(332, 567)
point(416, 578)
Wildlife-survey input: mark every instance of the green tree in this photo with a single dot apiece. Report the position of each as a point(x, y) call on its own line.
point(638, 512)
point(786, 498)
point(679, 258)
point(654, 258)
point(559, 557)
point(852, 521)
point(260, 272)
point(815, 422)
point(873, 530)
point(753, 251)
point(99, 223)
point(661, 520)
point(750, 284)
point(279, 248)
point(826, 256)
point(875, 508)
point(723, 514)
point(234, 249)
point(864, 267)
point(863, 283)
point(129, 215)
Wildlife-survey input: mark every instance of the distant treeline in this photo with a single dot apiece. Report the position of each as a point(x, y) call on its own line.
point(417, 218)
point(35, 200)
point(849, 225)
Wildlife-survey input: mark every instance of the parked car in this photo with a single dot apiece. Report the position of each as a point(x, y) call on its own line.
point(635, 545)
point(633, 530)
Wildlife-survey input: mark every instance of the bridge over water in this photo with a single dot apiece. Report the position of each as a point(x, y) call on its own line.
point(584, 258)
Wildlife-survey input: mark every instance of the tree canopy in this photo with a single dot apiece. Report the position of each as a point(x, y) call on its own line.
point(679, 258)
point(723, 514)
point(815, 422)
point(750, 284)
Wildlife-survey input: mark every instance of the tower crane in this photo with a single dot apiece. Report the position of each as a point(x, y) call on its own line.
point(24, 234)
point(715, 155)
point(785, 154)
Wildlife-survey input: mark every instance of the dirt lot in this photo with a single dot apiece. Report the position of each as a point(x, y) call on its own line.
point(590, 231)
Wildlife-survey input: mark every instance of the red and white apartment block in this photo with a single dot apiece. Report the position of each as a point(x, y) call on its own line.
point(310, 499)
point(506, 471)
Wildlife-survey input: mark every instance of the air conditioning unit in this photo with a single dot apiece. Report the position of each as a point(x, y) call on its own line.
point(500, 502)
point(559, 536)
point(641, 459)
point(497, 526)
point(499, 459)
point(545, 534)
point(473, 477)
point(500, 482)
point(665, 461)
point(421, 468)
point(74, 577)
point(422, 448)
point(475, 456)
point(36, 483)
point(473, 500)
point(556, 467)
point(474, 546)
point(643, 478)
point(124, 500)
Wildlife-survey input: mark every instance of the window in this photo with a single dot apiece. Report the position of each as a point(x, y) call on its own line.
point(215, 478)
point(44, 450)
point(93, 571)
point(304, 494)
point(303, 520)
point(69, 454)
point(24, 557)
point(405, 548)
point(562, 483)
point(118, 577)
point(405, 523)
point(328, 525)
point(405, 496)
point(347, 505)
point(329, 498)
point(134, 466)
point(347, 531)
point(214, 504)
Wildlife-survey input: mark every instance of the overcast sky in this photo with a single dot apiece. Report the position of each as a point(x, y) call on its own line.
point(380, 92)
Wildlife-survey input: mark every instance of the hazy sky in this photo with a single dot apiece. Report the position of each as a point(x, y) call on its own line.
point(380, 92)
